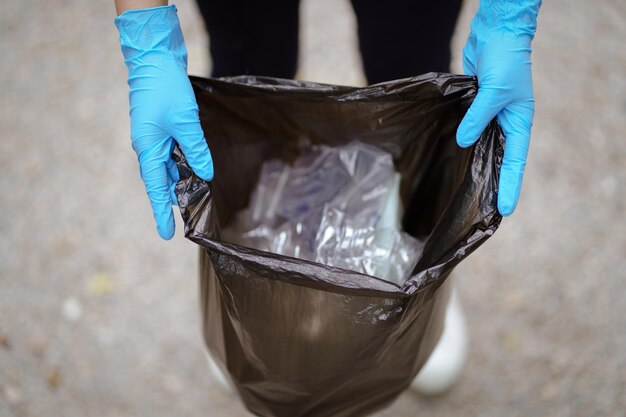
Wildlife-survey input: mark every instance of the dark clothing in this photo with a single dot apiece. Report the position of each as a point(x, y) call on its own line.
point(397, 38)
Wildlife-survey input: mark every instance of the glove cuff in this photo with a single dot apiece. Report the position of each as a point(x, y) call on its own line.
point(511, 19)
point(146, 31)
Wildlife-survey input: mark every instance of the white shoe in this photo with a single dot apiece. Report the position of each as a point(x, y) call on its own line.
point(443, 367)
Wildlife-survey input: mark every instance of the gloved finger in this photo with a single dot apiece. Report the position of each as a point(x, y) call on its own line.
point(515, 121)
point(173, 195)
point(152, 163)
point(188, 133)
point(484, 108)
point(172, 171)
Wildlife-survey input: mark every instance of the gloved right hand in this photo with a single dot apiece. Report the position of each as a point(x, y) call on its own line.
point(163, 107)
point(498, 52)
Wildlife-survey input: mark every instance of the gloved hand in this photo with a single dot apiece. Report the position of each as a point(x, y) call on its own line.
point(498, 53)
point(163, 107)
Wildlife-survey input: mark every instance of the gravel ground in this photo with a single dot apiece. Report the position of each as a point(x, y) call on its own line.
point(98, 317)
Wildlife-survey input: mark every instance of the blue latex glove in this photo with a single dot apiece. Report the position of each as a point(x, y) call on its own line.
point(163, 107)
point(498, 53)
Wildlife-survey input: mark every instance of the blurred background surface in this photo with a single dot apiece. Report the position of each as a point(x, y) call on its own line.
point(98, 316)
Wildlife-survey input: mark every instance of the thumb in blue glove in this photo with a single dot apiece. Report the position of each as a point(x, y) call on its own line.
point(498, 53)
point(163, 107)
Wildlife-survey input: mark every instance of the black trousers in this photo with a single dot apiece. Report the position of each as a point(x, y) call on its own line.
point(397, 38)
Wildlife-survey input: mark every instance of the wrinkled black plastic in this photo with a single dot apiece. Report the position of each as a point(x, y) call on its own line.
point(299, 338)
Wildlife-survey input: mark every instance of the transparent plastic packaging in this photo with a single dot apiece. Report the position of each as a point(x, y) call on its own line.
point(338, 206)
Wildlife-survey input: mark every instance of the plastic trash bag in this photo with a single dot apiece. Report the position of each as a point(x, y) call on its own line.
point(338, 206)
point(299, 338)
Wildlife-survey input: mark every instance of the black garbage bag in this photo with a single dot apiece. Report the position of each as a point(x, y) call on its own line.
point(297, 338)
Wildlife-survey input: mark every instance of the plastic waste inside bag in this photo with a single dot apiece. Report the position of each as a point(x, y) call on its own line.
point(339, 206)
point(296, 327)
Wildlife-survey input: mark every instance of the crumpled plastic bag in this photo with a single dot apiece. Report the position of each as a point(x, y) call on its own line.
point(338, 206)
point(299, 338)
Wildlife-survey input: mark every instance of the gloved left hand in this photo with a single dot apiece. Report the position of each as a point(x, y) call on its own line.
point(163, 107)
point(498, 53)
